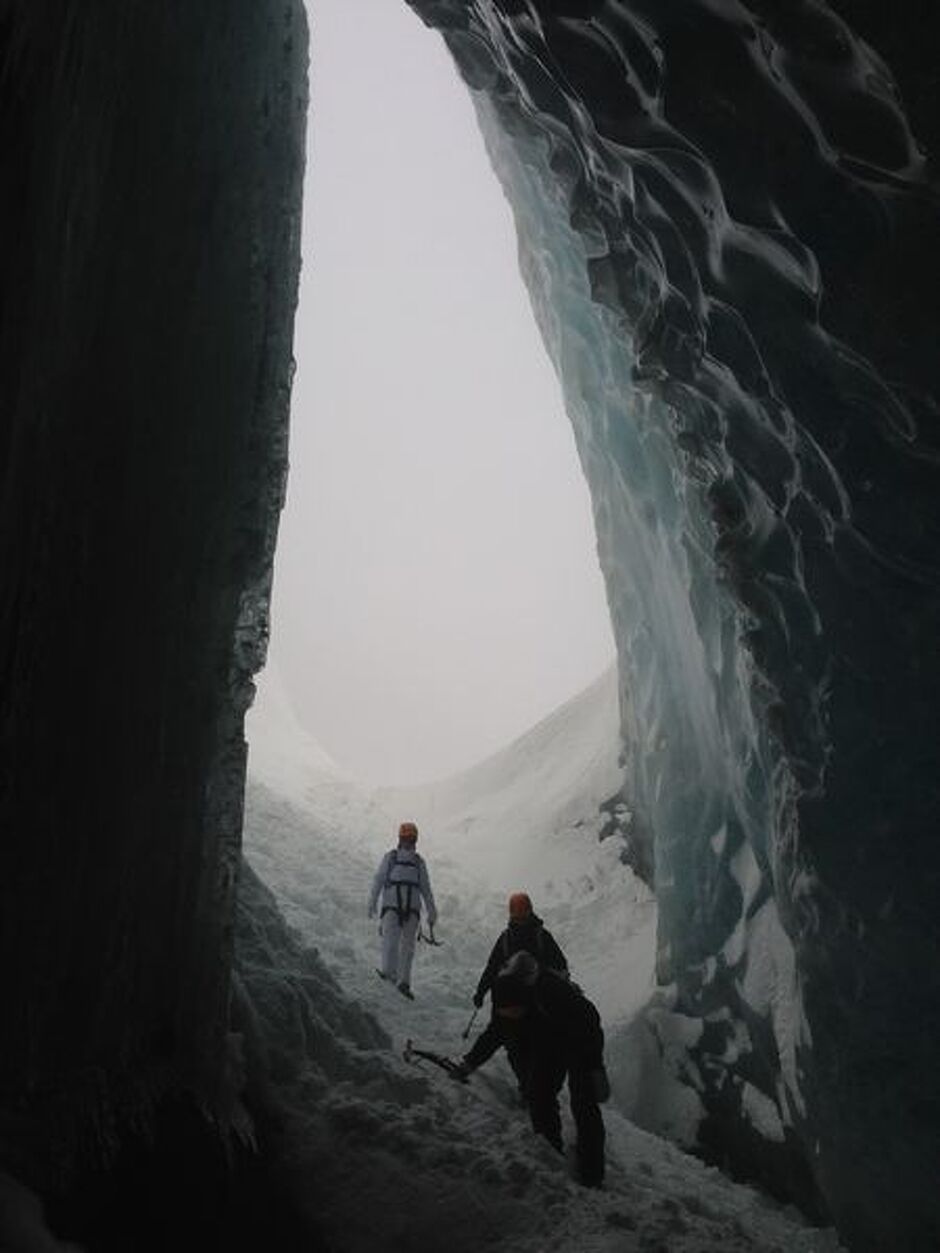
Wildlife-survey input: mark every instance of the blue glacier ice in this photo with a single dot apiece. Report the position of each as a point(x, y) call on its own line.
point(728, 227)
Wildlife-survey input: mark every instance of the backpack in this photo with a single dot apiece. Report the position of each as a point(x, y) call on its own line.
point(539, 945)
point(538, 954)
point(405, 889)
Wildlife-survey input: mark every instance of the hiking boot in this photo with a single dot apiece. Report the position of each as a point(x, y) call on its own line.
point(405, 990)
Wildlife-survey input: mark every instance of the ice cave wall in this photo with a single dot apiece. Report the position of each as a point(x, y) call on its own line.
point(728, 222)
point(152, 159)
point(729, 226)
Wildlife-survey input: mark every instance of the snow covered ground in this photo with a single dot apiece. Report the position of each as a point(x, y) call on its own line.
point(398, 1156)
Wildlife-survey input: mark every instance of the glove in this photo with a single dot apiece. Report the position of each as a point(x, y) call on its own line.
point(600, 1085)
point(478, 999)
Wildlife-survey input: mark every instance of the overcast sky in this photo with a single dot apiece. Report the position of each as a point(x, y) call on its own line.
point(436, 587)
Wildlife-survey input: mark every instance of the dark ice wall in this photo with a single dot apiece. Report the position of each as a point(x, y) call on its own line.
point(149, 248)
point(756, 187)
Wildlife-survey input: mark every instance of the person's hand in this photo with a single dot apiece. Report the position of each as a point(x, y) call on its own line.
point(371, 913)
point(478, 999)
point(601, 1085)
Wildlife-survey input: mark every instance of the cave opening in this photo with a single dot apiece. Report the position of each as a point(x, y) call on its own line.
point(437, 589)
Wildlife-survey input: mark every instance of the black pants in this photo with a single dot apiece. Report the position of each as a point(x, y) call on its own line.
point(546, 1077)
point(491, 1040)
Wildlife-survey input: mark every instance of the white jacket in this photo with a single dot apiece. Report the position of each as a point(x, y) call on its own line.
point(402, 882)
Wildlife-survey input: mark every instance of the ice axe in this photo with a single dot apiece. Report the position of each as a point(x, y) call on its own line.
point(473, 1017)
point(429, 938)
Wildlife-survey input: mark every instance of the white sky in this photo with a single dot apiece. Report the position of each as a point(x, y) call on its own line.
point(436, 586)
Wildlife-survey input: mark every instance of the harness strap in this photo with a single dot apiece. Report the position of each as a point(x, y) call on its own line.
point(403, 907)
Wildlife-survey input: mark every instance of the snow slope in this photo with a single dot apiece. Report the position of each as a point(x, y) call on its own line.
point(364, 1127)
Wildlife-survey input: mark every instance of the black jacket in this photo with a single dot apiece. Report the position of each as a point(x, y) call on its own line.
point(530, 936)
point(563, 1020)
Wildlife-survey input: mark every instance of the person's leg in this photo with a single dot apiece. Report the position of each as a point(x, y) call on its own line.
point(546, 1074)
point(391, 936)
point(406, 950)
point(520, 1059)
point(590, 1127)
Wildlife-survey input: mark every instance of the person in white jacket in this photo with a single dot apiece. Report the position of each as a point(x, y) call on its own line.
point(402, 882)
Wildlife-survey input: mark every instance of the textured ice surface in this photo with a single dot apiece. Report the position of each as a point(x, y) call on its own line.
point(359, 1125)
point(729, 230)
point(152, 166)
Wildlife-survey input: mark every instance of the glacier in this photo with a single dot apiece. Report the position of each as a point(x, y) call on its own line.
point(727, 213)
point(714, 202)
point(361, 1124)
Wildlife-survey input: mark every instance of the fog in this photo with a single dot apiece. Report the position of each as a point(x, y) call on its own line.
point(437, 589)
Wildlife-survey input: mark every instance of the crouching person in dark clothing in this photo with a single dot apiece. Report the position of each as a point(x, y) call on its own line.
point(559, 1035)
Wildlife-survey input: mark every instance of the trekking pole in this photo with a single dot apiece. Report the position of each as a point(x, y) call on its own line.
point(468, 1027)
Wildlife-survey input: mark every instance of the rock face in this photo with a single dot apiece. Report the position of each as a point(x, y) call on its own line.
point(152, 169)
point(728, 220)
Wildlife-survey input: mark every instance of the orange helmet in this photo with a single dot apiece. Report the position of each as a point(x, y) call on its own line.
point(520, 906)
point(408, 832)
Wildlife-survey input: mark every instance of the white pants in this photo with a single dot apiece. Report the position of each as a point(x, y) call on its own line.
point(398, 946)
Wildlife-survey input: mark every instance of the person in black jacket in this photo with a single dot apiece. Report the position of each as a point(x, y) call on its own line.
point(525, 933)
point(557, 1034)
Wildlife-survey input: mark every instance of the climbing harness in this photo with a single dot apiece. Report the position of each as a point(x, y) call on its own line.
point(404, 888)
